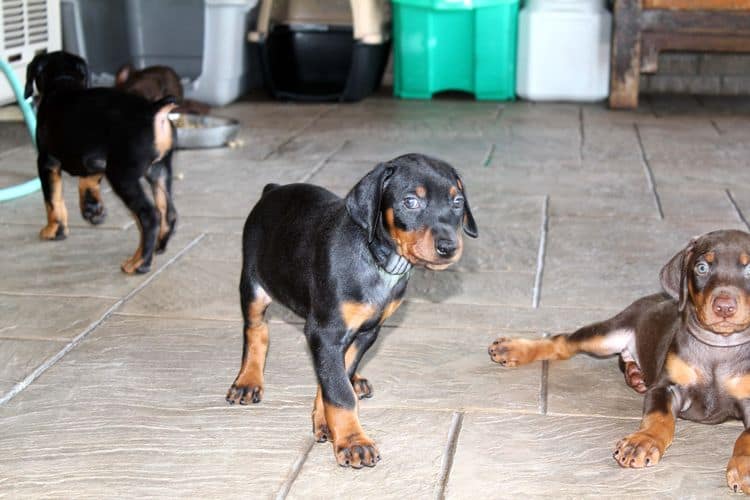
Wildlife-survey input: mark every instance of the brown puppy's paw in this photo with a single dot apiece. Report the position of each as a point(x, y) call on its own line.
point(511, 352)
point(362, 387)
point(321, 432)
point(53, 232)
point(244, 394)
point(356, 451)
point(634, 377)
point(638, 450)
point(738, 474)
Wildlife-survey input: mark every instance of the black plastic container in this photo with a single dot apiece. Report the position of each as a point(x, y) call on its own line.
point(320, 63)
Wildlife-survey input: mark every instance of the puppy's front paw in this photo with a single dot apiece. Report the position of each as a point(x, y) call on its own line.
point(93, 211)
point(362, 387)
point(53, 232)
point(639, 450)
point(245, 393)
point(511, 352)
point(738, 474)
point(356, 451)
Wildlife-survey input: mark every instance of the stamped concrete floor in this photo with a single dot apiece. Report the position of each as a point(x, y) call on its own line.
point(113, 385)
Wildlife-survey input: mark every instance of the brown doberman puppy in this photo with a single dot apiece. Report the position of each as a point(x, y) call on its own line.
point(690, 345)
point(157, 82)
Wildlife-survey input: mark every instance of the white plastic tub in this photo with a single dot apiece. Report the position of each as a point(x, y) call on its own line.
point(563, 50)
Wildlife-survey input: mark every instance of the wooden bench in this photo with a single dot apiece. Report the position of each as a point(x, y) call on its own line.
point(644, 28)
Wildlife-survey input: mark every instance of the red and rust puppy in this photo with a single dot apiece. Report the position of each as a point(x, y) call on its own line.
point(691, 347)
point(343, 265)
point(157, 82)
point(95, 133)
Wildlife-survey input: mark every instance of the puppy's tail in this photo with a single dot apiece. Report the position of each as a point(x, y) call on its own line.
point(270, 187)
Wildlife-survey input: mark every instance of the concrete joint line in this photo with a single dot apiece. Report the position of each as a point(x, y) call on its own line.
point(448, 453)
point(299, 131)
point(537, 291)
point(23, 384)
point(737, 210)
point(322, 163)
point(649, 172)
point(543, 383)
point(488, 156)
point(295, 470)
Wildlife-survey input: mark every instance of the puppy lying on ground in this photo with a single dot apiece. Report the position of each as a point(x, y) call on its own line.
point(157, 82)
point(95, 133)
point(343, 265)
point(691, 347)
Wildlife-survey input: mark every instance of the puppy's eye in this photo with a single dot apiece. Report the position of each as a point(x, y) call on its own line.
point(701, 268)
point(458, 202)
point(411, 202)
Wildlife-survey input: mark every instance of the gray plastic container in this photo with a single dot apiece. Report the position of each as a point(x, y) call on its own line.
point(204, 41)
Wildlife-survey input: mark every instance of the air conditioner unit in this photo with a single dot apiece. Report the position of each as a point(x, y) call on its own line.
point(27, 28)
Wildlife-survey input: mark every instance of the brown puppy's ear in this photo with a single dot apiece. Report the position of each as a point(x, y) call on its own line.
point(674, 275)
point(32, 70)
point(470, 225)
point(363, 201)
point(123, 74)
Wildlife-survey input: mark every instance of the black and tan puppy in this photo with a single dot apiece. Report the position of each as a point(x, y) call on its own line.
point(691, 345)
point(343, 265)
point(95, 133)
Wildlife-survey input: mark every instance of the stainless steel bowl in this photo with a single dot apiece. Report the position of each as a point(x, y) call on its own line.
point(201, 131)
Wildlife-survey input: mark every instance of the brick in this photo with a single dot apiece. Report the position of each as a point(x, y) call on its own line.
point(673, 63)
point(725, 64)
point(735, 85)
point(665, 84)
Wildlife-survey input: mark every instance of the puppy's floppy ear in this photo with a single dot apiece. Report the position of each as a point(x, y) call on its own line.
point(123, 74)
point(32, 70)
point(674, 275)
point(363, 201)
point(470, 225)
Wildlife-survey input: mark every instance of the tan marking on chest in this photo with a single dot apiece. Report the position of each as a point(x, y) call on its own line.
point(355, 314)
point(680, 372)
point(390, 309)
point(738, 387)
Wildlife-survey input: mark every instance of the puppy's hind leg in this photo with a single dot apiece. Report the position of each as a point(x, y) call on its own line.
point(248, 386)
point(129, 189)
point(57, 215)
point(599, 339)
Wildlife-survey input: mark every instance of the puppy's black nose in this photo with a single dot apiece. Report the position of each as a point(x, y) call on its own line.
point(446, 248)
point(724, 306)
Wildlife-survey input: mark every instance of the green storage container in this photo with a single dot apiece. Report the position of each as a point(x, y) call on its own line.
point(467, 45)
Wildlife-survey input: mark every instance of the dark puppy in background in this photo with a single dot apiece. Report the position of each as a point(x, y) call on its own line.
point(343, 266)
point(157, 82)
point(101, 132)
point(691, 347)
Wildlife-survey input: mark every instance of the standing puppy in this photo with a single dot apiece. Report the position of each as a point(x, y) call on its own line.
point(691, 348)
point(343, 265)
point(95, 133)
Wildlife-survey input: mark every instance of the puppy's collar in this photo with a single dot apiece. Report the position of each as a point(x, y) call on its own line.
point(390, 263)
point(715, 339)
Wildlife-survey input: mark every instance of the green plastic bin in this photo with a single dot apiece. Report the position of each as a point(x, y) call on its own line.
point(467, 45)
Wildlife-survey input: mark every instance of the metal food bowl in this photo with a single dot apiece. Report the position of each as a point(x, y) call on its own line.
point(201, 131)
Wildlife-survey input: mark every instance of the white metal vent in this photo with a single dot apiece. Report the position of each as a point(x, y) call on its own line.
point(29, 27)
